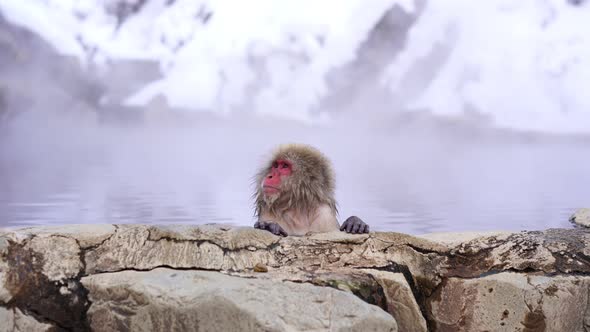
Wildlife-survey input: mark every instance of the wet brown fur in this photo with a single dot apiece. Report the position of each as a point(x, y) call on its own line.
point(310, 185)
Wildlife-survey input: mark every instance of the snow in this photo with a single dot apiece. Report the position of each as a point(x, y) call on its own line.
point(31, 15)
point(524, 63)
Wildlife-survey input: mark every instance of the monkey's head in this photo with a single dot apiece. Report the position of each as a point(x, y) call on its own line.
point(297, 177)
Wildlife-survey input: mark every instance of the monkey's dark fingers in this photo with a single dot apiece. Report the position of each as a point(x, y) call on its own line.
point(362, 228)
point(366, 229)
point(271, 227)
point(263, 225)
point(346, 225)
point(276, 229)
point(356, 227)
point(349, 226)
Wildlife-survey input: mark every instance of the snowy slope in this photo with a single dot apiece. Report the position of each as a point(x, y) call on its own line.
point(524, 63)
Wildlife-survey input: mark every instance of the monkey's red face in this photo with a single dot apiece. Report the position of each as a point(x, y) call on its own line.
point(280, 170)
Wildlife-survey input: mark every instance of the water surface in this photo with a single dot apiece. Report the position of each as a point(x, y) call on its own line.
point(413, 179)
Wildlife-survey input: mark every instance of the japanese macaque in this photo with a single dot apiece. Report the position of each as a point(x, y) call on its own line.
point(295, 194)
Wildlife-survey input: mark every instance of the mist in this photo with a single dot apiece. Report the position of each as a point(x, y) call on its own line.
point(120, 143)
point(413, 177)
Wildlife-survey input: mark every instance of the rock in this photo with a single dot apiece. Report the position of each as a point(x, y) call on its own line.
point(511, 302)
point(59, 256)
point(581, 217)
point(549, 251)
point(165, 299)
point(85, 235)
point(40, 276)
point(218, 248)
point(5, 295)
point(453, 239)
point(260, 268)
point(53, 274)
point(206, 247)
point(387, 290)
point(401, 303)
point(15, 320)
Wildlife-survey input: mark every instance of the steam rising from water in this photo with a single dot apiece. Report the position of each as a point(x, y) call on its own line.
point(414, 177)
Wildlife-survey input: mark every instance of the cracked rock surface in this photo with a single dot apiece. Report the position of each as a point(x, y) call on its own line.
point(511, 302)
point(14, 320)
point(121, 277)
point(165, 299)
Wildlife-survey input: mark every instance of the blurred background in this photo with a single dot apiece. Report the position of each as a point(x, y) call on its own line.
point(453, 115)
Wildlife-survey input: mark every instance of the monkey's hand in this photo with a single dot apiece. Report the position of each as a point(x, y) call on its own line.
point(271, 227)
point(354, 225)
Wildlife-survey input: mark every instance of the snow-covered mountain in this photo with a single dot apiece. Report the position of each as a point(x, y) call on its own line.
point(524, 64)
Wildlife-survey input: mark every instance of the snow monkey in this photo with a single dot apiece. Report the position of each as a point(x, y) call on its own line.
point(295, 194)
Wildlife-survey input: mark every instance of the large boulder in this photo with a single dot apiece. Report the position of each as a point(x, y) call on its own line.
point(165, 299)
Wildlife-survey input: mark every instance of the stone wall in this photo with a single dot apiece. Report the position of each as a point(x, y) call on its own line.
point(216, 278)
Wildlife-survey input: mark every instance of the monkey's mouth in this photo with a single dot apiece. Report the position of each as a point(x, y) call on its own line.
point(270, 190)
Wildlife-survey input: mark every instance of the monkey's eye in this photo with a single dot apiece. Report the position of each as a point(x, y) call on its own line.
point(285, 165)
point(275, 165)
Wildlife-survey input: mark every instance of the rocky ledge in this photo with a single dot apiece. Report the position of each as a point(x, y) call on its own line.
point(216, 278)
